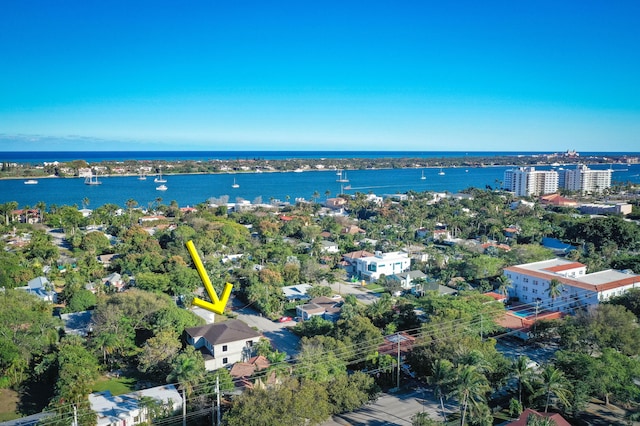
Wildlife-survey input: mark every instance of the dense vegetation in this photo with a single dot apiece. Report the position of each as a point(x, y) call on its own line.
point(138, 332)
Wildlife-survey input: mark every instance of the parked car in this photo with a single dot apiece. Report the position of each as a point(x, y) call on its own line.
point(285, 319)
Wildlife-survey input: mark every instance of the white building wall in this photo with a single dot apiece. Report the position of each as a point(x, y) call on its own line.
point(235, 352)
point(372, 267)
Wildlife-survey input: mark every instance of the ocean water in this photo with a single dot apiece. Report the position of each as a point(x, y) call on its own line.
point(194, 189)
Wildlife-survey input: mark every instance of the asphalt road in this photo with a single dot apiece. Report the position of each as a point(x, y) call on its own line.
point(392, 409)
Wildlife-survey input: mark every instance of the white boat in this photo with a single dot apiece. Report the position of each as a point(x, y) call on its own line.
point(92, 180)
point(339, 172)
point(423, 177)
point(31, 182)
point(161, 188)
point(298, 171)
point(142, 176)
point(235, 185)
point(441, 173)
point(343, 177)
point(159, 179)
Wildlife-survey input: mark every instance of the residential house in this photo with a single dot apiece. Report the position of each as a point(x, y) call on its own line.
point(352, 230)
point(328, 308)
point(349, 260)
point(370, 268)
point(523, 420)
point(329, 247)
point(338, 204)
point(402, 341)
point(128, 409)
point(114, 281)
point(78, 323)
point(296, 292)
point(422, 287)
point(244, 373)
point(407, 278)
point(105, 259)
point(223, 344)
point(559, 248)
point(530, 284)
point(41, 287)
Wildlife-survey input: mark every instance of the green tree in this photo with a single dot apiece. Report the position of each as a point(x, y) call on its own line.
point(554, 290)
point(81, 301)
point(441, 379)
point(187, 369)
point(552, 382)
point(523, 373)
point(347, 393)
point(470, 387)
point(158, 352)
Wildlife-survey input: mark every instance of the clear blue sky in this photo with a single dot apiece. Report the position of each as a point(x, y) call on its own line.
point(331, 75)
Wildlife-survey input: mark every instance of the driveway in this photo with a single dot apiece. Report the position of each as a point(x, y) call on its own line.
point(362, 294)
point(281, 337)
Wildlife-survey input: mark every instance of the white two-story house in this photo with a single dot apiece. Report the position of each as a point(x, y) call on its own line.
point(223, 344)
point(530, 284)
point(371, 267)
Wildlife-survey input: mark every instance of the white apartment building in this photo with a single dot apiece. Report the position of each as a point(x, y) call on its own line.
point(530, 284)
point(586, 180)
point(370, 268)
point(526, 181)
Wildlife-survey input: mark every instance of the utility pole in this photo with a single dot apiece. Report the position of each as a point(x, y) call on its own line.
point(218, 400)
point(75, 415)
point(398, 379)
point(184, 408)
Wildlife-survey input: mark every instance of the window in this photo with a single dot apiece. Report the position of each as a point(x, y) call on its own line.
point(535, 291)
point(225, 360)
point(224, 348)
point(535, 282)
point(526, 280)
point(371, 267)
point(525, 288)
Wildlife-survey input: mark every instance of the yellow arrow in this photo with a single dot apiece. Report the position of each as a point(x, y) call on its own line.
point(218, 304)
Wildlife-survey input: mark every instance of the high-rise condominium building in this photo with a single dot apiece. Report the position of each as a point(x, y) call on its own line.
point(586, 180)
point(526, 181)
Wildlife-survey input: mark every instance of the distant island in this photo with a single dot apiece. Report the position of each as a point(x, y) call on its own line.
point(82, 167)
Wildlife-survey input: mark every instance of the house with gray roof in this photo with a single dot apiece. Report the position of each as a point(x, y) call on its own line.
point(328, 308)
point(224, 343)
point(41, 287)
point(407, 279)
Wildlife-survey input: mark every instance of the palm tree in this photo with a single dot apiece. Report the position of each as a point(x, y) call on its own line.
point(504, 284)
point(522, 373)
point(470, 389)
point(85, 202)
point(441, 380)
point(553, 382)
point(554, 290)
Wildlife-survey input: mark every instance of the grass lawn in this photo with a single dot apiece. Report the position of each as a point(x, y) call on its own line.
point(374, 287)
point(117, 386)
point(8, 405)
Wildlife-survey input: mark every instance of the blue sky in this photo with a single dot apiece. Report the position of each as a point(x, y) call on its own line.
point(332, 75)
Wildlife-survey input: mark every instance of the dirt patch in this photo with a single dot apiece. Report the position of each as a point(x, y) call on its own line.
point(598, 413)
point(8, 405)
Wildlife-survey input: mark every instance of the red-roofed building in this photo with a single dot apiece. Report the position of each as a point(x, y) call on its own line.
point(556, 418)
point(557, 200)
point(390, 345)
point(530, 284)
point(496, 296)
